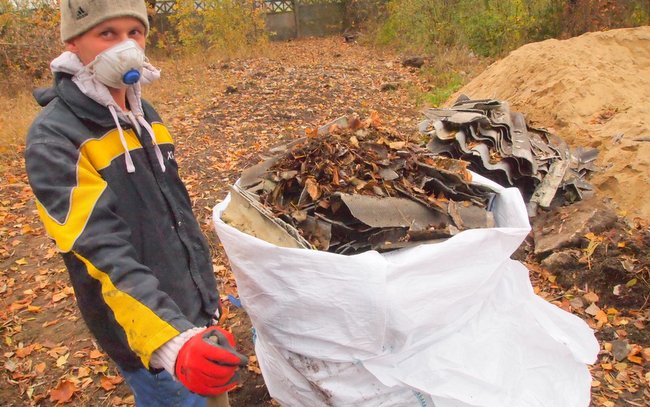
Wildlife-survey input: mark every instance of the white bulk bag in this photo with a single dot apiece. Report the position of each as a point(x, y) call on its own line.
point(455, 323)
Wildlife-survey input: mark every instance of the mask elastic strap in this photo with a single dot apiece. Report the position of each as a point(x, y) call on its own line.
point(130, 167)
point(149, 129)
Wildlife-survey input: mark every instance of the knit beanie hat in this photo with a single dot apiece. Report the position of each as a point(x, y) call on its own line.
point(79, 16)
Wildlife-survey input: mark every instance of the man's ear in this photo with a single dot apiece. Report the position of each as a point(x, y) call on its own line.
point(71, 46)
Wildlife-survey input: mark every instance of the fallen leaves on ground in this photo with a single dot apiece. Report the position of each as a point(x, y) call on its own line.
point(274, 97)
point(63, 392)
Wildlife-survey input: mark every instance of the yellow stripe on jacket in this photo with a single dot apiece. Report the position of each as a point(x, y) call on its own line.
point(102, 151)
point(83, 198)
point(95, 155)
point(145, 331)
point(162, 134)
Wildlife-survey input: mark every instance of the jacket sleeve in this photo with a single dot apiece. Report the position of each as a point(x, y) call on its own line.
point(78, 211)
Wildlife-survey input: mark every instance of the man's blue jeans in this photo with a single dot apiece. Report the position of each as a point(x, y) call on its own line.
point(160, 390)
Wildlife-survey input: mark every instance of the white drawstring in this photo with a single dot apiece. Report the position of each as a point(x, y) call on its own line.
point(149, 129)
point(130, 168)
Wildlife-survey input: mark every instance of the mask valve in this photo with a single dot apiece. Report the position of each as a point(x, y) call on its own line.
point(131, 77)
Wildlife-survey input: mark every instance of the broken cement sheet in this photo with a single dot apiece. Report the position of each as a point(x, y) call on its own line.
point(499, 144)
point(247, 215)
point(457, 322)
point(353, 185)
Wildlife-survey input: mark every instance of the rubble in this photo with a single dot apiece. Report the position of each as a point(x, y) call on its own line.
point(563, 260)
point(500, 145)
point(413, 62)
point(354, 185)
point(566, 226)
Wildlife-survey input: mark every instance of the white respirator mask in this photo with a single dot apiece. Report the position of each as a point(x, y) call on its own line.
point(119, 66)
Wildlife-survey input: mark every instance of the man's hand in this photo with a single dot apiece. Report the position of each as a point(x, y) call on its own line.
point(207, 364)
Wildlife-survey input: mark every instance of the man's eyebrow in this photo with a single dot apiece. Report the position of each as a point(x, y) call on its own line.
point(111, 27)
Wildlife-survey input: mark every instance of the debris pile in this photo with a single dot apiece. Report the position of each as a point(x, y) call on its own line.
point(353, 186)
point(498, 144)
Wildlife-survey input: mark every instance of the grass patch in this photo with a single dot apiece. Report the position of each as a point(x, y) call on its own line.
point(17, 111)
point(446, 72)
point(451, 82)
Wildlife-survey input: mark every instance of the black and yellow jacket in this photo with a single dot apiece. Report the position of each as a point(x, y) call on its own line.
point(137, 259)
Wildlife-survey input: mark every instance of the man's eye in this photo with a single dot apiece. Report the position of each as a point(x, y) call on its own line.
point(135, 32)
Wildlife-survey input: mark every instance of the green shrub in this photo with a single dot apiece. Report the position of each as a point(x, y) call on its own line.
point(494, 27)
point(418, 24)
point(581, 16)
point(29, 39)
point(221, 25)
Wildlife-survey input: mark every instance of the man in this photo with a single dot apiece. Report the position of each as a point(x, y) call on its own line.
point(101, 165)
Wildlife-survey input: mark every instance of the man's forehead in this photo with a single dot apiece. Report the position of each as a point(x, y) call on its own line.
point(121, 21)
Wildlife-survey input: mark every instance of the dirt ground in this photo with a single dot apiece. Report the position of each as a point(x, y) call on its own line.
point(222, 116)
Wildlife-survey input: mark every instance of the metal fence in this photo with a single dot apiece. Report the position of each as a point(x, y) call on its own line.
point(166, 7)
point(269, 6)
point(287, 19)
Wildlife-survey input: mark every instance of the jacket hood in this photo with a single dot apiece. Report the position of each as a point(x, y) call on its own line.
point(44, 96)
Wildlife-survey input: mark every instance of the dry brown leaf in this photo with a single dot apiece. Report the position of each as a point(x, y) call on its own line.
point(63, 392)
point(19, 305)
point(11, 365)
point(83, 372)
point(50, 323)
point(646, 354)
point(96, 354)
point(108, 382)
point(57, 351)
point(25, 351)
point(34, 308)
point(253, 365)
point(86, 381)
point(601, 318)
point(312, 188)
point(40, 368)
point(62, 360)
point(593, 310)
point(97, 369)
point(311, 132)
point(375, 119)
point(590, 297)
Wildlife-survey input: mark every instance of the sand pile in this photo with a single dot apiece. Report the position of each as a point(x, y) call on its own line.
point(592, 90)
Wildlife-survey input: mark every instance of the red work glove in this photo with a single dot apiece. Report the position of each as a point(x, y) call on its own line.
point(207, 363)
